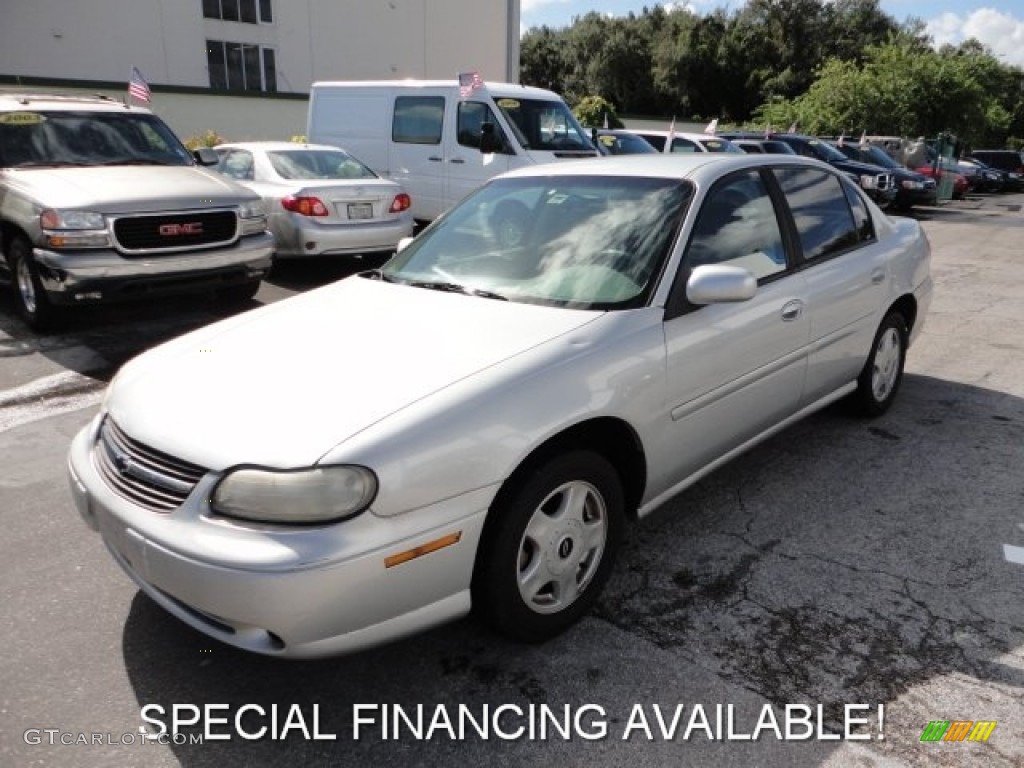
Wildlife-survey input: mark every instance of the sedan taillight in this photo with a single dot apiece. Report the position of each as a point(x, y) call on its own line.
point(402, 202)
point(305, 206)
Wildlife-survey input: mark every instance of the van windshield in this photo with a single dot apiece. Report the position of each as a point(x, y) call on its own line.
point(548, 126)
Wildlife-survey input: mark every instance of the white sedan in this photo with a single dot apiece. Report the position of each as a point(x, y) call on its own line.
point(320, 200)
point(514, 407)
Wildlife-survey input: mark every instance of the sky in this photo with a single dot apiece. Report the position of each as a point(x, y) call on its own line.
point(999, 24)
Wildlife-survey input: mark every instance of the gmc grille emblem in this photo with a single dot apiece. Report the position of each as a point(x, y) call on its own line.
point(177, 230)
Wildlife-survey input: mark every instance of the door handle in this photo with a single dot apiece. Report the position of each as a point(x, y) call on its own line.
point(877, 276)
point(435, 159)
point(458, 160)
point(792, 310)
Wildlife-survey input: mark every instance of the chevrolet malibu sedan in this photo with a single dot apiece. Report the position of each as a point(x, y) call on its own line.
point(320, 200)
point(514, 408)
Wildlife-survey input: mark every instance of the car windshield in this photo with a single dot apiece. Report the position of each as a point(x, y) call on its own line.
point(878, 156)
point(826, 152)
point(544, 125)
point(625, 144)
point(35, 138)
point(318, 164)
point(586, 242)
point(718, 145)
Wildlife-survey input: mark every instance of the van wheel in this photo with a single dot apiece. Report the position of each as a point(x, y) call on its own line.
point(549, 547)
point(882, 373)
point(34, 306)
point(509, 223)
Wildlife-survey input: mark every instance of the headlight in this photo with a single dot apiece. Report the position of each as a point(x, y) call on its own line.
point(74, 229)
point(911, 184)
point(316, 495)
point(869, 182)
point(252, 217)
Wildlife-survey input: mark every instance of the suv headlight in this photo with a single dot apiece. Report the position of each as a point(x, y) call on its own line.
point(74, 229)
point(315, 495)
point(912, 184)
point(869, 182)
point(252, 217)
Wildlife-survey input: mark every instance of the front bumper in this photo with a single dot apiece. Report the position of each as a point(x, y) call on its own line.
point(86, 276)
point(299, 236)
point(291, 592)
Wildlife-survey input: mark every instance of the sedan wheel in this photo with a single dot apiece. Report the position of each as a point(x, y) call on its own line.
point(549, 546)
point(880, 379)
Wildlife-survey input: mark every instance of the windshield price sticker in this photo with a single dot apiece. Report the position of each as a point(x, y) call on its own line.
point(509, 103)
point(21, 118)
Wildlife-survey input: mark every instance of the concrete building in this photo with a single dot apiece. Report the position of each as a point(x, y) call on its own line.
point(244, 67)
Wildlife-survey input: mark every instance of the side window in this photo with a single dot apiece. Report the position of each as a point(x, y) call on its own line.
point(236, 164)
point(683, 145)
point(471, 115)
point(737, 225)
point(418, 119)
point(821, 211)
point(861, 218)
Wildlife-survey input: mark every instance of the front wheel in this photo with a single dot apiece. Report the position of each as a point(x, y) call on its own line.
point(882, 373)
point(34, 305)
point(549, 547)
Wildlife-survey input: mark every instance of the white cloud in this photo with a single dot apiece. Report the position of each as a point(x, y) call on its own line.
point(1001, 32)
point(526, 6)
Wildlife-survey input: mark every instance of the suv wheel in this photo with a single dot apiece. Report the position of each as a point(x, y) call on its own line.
point(34, 305)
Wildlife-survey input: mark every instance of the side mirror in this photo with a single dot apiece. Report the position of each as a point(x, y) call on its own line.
point(206, 156)
point(489, 141)
point(719, 284)
point(403, 244)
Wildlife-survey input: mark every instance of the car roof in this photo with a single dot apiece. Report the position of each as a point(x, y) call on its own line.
point(11, 101)
point(700, 167)
point(275, 146)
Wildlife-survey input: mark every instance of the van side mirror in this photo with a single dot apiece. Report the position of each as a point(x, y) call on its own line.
point(489, 141)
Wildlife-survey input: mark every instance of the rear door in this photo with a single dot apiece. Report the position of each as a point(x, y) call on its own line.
point(418, 148)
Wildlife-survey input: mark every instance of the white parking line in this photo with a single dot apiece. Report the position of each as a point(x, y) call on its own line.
point(48, 396)
point(1013, 554)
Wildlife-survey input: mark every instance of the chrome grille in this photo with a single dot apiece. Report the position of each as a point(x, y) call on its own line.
point(142, 474)
point(175, 231)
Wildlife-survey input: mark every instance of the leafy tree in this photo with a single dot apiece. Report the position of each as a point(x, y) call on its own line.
point(594, 111)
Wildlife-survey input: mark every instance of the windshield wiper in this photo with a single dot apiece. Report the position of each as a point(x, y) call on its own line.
point(134, 161)
point(457, 288)
point(379, 274)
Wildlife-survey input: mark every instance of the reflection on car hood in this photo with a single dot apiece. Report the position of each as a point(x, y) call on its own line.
point(864, 169)
point(102, 189)
point(282, 385)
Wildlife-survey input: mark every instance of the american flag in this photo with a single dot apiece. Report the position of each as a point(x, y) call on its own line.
point(138, 88)
point(469, 82)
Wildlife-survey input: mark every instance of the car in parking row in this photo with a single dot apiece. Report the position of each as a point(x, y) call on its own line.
point(516, 405)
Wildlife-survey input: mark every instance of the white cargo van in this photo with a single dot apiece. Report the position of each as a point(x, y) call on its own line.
point(437, 144)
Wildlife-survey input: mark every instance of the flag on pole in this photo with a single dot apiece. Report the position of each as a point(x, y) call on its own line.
point(863, 144)
point(842, 140)
point(606, 121)
point(768, 131)
point(469, 82)
point(671, 136)
point(138, 88)
point(792, 128)
point(712, 127)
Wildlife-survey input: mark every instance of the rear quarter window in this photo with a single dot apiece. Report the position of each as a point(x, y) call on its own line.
point(821, 212)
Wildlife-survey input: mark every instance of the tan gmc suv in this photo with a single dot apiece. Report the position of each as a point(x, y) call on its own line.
point(100, 202)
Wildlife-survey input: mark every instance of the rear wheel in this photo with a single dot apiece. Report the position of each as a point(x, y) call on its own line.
point(34, 305)
point(880, 379)
point(549, 547)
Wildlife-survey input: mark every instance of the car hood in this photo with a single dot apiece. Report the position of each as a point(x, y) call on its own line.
point(103, 189)
point(862, 169)
point(282, 385)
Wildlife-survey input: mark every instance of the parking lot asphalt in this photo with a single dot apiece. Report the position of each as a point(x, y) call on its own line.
point(873, 569)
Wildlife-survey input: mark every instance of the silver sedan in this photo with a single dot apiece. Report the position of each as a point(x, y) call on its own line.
point(515, 406)
point(320, 200)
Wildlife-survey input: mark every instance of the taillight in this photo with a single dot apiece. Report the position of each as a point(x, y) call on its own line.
point(304, 206)
point(402, 202)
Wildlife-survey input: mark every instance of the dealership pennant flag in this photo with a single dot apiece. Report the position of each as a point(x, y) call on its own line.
point(469, 82)
point(606, 121)
point(712, 127)
point(863, 140)
point(792, 128)
point(671, 136)
point(768, 131)
point(138, 88)
point(842, 140)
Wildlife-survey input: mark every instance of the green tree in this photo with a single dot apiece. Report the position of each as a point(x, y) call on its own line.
point(595, 111)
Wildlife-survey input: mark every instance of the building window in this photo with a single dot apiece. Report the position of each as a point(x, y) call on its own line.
point(247, 11)
point(240, 66)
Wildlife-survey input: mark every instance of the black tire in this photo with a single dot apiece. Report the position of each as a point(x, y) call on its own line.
point(509, 223)
point(237, 294)
point(562, 522)
point(879, 381)
point(34, 306)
